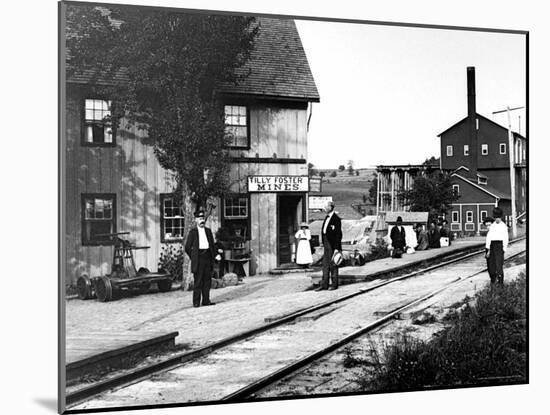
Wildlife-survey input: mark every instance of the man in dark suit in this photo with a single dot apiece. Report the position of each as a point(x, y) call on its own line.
point(331, 234)
point(433, 236)
point(201, 249)
point(397, 236)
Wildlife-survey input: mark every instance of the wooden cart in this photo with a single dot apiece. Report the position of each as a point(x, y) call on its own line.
point(123, 274)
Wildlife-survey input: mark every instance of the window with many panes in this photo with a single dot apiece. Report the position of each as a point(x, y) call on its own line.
point(466, 149)
point(236, 125)
point(98, 128)
point(484, 149)
point(454, 217)
point(171, 217)
point(502, 148)
point(235, 207)
point(98, 218)
point(469, 216)
point(449, 151)
point(236, 217)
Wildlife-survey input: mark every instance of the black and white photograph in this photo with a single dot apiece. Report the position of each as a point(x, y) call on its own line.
point(278, 207)
point(231, 234)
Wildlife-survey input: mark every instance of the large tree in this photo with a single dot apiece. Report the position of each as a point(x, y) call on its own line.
point(163, 70)
point(432, 192)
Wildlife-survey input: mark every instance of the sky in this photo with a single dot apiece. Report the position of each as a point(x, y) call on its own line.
point(387, 92)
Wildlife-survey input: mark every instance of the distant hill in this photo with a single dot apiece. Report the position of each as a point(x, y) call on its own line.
point(346, 191)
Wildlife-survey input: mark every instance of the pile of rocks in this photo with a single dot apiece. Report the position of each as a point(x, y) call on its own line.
point(227, 280)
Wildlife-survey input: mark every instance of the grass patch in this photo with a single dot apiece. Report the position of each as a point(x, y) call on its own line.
point(486, 344)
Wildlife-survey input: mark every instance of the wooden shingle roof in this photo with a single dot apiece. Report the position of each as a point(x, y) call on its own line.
point(278, 65)
point(277, 68)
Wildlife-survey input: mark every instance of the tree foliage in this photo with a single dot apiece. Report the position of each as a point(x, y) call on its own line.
point(373, 189)
point(312, 171)
point(350, 167)
point(162, 70)
point(432, 161)
point(431, 193)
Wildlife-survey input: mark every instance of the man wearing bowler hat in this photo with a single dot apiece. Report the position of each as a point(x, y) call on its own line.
point(331, 233)
point(202, 251)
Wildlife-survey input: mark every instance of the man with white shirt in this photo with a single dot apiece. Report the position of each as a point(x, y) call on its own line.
point(496, 244)
point(202, 251)
point(331, 234)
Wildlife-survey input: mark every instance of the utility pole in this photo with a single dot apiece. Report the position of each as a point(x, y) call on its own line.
point(511, 151)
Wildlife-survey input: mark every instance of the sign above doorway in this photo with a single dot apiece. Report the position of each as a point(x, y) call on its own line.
point(278, 184)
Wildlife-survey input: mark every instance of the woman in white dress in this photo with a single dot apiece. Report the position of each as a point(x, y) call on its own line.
point(303, 249)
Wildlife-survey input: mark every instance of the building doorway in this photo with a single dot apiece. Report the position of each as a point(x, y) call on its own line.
point(290, 212)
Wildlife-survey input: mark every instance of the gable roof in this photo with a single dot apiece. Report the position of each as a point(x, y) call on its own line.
point(278, 65)
point(407, 217)
point(484, 118)
point(489, 190)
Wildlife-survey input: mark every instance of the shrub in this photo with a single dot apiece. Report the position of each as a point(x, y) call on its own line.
point(486, 344)
point(378, 250)
point(171, 260)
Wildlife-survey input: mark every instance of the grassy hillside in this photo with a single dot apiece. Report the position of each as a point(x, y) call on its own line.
point(347, 190)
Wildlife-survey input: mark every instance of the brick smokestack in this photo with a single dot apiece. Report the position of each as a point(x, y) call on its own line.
point(472, 122)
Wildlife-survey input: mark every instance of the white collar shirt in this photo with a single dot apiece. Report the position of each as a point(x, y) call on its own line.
point(203, 240)
point(497, 232)
point(327, 220)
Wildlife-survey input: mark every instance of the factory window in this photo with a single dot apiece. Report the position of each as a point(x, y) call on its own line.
point(469, 216)
point(456, 189)
point(172, 217)
point(449, 151)
point(481, 180)
point(98, 218)
point(484, 149)
point(502, 148)
point(483, 215)
point(236, 126)
point(454, 217)
point(466, 149)
point(98, 129)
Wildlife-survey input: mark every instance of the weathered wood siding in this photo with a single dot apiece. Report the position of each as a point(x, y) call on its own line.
point(279, 132)
point(129, 170)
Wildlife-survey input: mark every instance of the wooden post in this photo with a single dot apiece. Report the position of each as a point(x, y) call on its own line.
point(377, 192)
point(392, 189)
point(512, 174)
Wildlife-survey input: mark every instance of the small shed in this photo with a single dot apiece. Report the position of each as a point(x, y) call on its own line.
point(409, 218)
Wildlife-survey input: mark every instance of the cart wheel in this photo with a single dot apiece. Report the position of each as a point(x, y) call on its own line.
point(84, 287)
point(104, 289)
point(143, 270)
point(164, 285)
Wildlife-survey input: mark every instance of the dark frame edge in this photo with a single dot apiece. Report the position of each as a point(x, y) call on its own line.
point(307, 18)
point(61, 105)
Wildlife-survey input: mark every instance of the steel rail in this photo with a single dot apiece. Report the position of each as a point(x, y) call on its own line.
point(241, 394)
point(139, 374)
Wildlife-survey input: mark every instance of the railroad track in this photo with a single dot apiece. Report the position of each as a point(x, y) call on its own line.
point(226, 357)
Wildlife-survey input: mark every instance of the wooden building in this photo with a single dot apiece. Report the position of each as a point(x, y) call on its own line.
point(394, 179)
point(476, 151)
point(113, 182)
